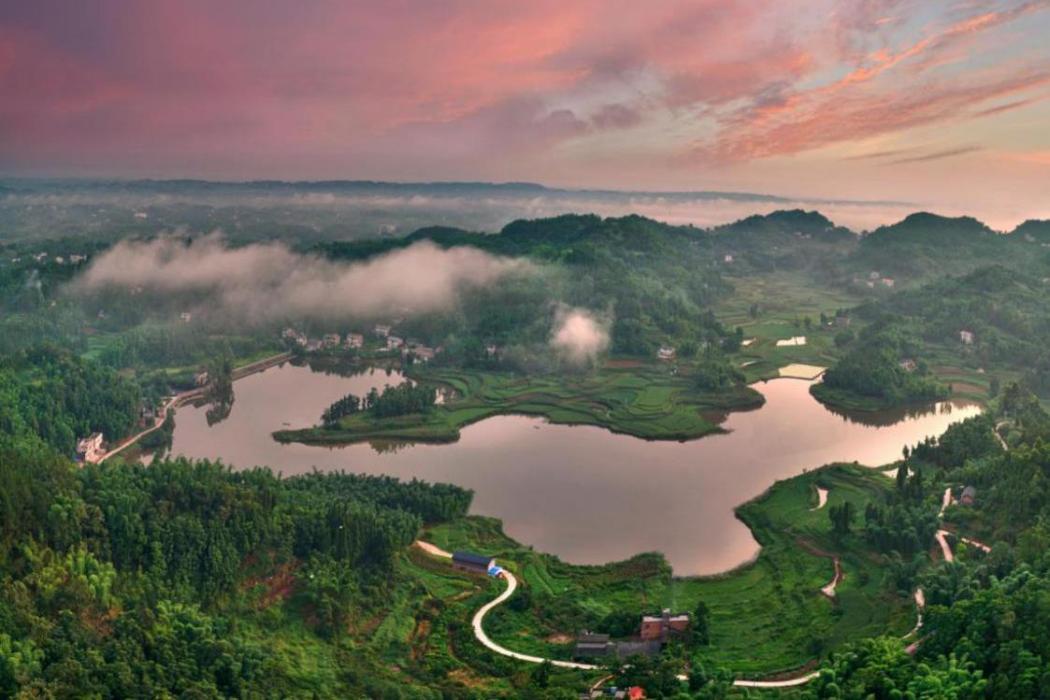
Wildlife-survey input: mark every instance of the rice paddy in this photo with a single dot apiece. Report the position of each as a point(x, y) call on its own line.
point(650, 402)
point(767, 617)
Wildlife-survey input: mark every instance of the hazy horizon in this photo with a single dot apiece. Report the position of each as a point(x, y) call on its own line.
point(377, 207)
point(888, 100)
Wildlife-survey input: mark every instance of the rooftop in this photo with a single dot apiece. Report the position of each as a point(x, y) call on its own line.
point(471, 558)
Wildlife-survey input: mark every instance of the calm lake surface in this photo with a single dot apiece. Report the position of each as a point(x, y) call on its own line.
point(580, 492)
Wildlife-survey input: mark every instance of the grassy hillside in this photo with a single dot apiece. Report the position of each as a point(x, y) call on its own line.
point(644, 401)
point(766, 617)
point(960, 335)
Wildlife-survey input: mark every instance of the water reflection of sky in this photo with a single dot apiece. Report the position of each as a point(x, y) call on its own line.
point(581, 492)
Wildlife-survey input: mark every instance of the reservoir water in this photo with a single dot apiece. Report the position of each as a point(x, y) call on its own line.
point(583, 493)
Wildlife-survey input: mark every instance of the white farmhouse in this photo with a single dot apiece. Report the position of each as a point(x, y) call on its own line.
point(423, 353)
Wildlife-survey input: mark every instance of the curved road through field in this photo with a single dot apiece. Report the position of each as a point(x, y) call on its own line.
point(512, 585)
point(822, 496)
point(479, 630)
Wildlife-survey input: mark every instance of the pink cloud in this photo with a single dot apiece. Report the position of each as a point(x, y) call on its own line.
point(857, 106)
point(266, 87)
point(799, 127)
point(41, 88)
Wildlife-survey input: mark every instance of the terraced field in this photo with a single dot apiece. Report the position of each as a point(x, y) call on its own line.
point(766, 617)
point(648, 402)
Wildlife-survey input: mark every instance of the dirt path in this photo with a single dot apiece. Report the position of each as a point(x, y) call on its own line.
point(786, 683)
point(822, 498)
point(920, 605)
point(479, 616)
point(949, 555)
point(829, 590)
point(999, 437)
point(479, 631)
point(974, 543)
point(946, 549)
point(837, 577)
point(432, 549)
point(945, 502)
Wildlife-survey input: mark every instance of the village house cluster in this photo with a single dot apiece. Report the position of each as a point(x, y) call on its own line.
point(383, 333)
point(654, 632)
point(635, 692)
point(72, 259)
point(876, 279)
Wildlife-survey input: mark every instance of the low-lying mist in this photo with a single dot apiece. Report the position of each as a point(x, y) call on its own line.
point(325, 211)
point(263, 282)
point(579, 336)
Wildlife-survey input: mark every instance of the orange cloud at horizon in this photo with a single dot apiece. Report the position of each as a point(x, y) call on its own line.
point(703, 94)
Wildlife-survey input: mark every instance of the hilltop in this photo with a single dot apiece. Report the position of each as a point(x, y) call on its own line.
point(1034, 230)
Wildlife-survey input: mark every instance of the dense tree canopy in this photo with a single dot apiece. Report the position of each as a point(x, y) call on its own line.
point(52, 395)
point(121, 581)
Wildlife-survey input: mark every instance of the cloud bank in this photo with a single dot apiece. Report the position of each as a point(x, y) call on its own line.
point(343, 210)
point(579, 335)
point(263, 282)
point(727, 94)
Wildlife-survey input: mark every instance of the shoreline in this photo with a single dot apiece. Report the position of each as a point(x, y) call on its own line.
point(317, 436)
point(443, 425)
point(777, 548)
point(334, 439)
point(185, 397)
point(856, 403)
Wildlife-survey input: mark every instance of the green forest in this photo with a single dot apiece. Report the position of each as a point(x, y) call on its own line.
point(129, 581)
point(193, 579)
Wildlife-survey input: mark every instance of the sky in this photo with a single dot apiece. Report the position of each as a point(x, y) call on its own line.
point(946, 104)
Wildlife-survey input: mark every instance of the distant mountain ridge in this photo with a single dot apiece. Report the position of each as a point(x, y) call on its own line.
point(1036, 229)
point(933, 226)
point(312, 212)
point(438, 188)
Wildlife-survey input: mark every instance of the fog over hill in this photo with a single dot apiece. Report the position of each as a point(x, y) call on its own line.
point(358, 209)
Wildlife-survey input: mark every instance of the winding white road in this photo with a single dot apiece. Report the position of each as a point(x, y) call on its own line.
point(998, 436)
point(946, 501)
point(946, 549)
point(512, 585)
point(822, 494)
point(479, 631)
point(974, 543)
point(787, 683)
